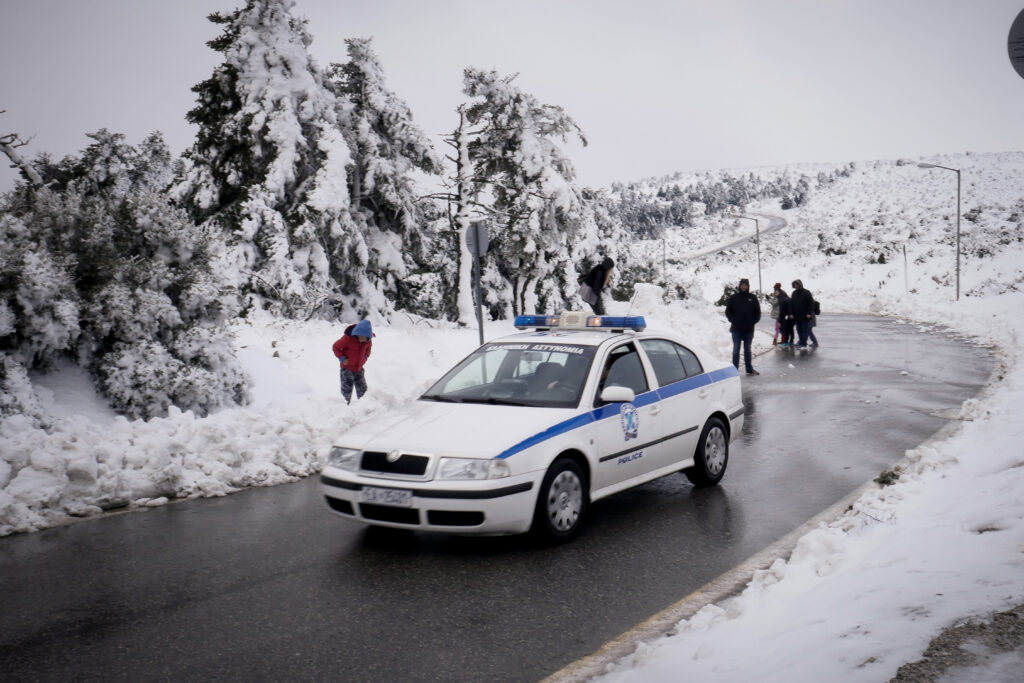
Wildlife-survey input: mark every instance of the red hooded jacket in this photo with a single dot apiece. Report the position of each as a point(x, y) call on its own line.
point(352, 350)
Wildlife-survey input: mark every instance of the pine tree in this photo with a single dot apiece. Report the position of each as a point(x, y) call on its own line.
point(268, 167)
point(538, 209)
point(387, 147)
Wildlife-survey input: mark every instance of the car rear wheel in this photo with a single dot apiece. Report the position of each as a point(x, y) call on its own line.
point(712, 455)
point(561, 502)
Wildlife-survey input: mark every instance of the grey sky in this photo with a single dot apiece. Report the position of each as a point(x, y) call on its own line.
point(657, 85)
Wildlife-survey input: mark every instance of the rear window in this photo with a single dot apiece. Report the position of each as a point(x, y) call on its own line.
point(671, 362)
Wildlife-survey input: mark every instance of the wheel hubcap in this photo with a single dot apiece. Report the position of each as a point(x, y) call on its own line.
point(565, 500)
point(714, 451)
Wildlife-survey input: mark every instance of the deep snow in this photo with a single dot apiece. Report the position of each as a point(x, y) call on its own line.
point(858, 597)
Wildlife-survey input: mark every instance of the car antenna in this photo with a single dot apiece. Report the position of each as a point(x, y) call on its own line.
point(635, 292)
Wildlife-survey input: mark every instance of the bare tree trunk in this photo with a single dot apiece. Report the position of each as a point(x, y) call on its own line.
point(8, 143)
point(463, 171)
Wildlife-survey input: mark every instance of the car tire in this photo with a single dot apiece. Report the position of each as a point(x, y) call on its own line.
point(561, 502)
point(711, 456)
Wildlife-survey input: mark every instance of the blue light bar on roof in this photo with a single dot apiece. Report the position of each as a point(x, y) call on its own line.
point(525, 321)
point(618, 322)
point(579, 321)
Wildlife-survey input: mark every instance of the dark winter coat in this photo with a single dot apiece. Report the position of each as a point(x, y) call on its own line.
point(785, 307)
point(743, 311)
point(353, 353)
point(598, 275)
point(802, 303)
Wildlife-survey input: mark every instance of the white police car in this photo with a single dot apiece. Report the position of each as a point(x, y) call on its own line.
point(531, 428)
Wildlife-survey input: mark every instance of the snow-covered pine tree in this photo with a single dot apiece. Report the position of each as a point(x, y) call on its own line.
point(103, 269)
point(538, 210)
point(268, 168)
point(386, 147)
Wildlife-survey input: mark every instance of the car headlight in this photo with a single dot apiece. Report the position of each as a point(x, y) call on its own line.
point(344, 458)
point(471, 468)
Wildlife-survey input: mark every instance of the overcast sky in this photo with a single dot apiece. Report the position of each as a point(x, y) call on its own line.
point(656, 85)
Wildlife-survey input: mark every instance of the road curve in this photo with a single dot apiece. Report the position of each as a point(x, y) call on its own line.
point(267, 585)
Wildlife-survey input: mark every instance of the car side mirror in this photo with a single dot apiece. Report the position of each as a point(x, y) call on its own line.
point(618, 395)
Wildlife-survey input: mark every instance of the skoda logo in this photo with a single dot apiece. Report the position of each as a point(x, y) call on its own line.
point(394, 456)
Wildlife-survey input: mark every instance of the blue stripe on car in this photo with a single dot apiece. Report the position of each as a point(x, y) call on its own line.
point(612, 409)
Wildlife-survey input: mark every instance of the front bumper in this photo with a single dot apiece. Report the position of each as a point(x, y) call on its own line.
point(489, 507)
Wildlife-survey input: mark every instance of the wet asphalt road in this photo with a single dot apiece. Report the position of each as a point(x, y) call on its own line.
point(267, 585)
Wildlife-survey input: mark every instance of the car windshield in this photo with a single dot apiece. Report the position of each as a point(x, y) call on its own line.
point(527, 374)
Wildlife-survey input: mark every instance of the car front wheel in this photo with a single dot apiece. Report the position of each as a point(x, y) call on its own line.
point(712, 455)
point(562, 502)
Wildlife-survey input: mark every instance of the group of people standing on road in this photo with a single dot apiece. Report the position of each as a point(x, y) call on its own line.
point(791, 313)
point(797, 312)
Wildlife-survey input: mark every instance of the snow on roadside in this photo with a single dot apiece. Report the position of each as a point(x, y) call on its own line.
point(864, 594)
point(91, 459)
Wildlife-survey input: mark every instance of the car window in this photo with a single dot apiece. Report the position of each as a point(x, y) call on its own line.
point(668, 366)
point(623, 368)
point(671, 362)
point(531, 374)
point(690, 362)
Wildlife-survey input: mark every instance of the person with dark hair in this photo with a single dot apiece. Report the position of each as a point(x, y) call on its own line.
point(802, 308)
point(743, 311)
point(597, 279)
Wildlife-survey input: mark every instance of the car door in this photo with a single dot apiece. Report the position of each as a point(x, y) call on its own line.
point(682, 393)
point(626, 433)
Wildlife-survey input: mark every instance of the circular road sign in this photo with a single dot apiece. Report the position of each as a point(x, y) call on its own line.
point(1015, 44)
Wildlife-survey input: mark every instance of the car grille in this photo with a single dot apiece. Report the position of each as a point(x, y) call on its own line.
point(385, 513)
point(340, 505)
point(407, 465)
point(454, 518)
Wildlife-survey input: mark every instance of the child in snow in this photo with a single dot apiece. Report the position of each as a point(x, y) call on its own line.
point(353, 350)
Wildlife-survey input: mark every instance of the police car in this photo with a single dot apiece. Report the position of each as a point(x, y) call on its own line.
point(531, 428)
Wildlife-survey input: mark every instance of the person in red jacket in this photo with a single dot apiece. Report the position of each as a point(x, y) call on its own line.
point(353, 350)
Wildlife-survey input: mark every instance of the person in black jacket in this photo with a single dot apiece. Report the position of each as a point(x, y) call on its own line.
point(743, 311)
point(785, 319)
point(598, 278)
point(802, 304)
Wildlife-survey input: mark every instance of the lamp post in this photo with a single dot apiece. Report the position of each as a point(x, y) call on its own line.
point(757, 240)
point(957, 171)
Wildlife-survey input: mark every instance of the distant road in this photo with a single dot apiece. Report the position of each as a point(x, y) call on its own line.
point(768, 224)
point(267, 585)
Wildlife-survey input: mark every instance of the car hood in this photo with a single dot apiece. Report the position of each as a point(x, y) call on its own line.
point(465, 430)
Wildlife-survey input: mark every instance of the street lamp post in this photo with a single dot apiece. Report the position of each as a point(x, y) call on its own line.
point(957, 171)
point(757, 240)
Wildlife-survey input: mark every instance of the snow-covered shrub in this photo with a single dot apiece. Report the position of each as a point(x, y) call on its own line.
point(104, 269)
point(211, 376)
point(138, 378)
point(16, 394)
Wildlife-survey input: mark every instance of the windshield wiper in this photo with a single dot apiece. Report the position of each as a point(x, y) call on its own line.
point(490, 400)
point(439, 398)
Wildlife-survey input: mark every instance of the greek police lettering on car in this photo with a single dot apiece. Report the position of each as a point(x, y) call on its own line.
point(528, 430)
point(558, 347)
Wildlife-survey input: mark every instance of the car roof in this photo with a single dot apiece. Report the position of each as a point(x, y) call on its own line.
point(574, 337)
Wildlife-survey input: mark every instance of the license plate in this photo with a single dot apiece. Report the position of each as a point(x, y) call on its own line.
point(393, 497)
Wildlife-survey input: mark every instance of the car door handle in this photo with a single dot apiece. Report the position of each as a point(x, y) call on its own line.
point(703, 393)
point(655, 410)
